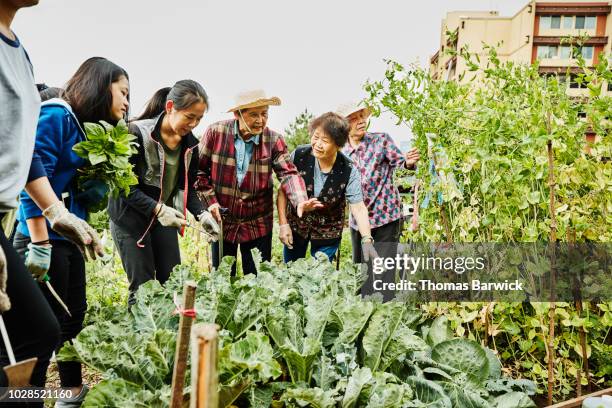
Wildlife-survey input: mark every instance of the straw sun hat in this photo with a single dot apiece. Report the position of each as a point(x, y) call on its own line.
point(253, 99)
point(347, 109)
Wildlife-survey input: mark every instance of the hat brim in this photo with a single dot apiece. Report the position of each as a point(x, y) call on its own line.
point(273, 101)
point(359, 109)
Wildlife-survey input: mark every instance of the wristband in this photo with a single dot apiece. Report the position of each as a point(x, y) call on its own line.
point(43, 242)
point(367, 239)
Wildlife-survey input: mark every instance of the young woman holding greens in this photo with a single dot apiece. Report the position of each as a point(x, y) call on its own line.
point(144, 225)
point(97, 91)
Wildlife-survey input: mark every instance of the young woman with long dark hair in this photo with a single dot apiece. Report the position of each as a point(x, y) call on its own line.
point(144, 225)
point(97, 91)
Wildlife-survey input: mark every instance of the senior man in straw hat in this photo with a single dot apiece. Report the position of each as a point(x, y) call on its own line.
point(376, 156)
point(237, 158)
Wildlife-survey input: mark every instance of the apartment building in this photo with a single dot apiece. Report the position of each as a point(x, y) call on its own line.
point(535, 32)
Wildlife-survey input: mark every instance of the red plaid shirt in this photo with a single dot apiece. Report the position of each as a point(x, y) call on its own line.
point(250, 203)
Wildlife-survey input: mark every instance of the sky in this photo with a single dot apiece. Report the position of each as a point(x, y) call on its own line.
point(314, 55)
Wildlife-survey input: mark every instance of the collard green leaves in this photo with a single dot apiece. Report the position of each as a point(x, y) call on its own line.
point(316, 344)
point(108, 150)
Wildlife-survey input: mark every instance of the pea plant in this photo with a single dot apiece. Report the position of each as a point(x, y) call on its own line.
point(505, 159)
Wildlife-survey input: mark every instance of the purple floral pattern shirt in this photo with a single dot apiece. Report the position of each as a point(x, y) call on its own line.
point(376, 158)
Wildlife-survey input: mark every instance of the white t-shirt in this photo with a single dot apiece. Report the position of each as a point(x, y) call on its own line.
point(19, 109)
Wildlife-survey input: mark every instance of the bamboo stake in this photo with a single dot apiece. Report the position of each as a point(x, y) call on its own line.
point(441, 206)
point(204, 376)
point(571, 239)
point(182, 346)
point(553, 240)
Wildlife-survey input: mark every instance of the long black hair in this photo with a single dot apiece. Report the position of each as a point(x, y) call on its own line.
point(184, 94)
point(89, 90)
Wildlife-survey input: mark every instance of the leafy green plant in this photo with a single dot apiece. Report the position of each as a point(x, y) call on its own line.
point(108, 150)
point(293, 336)
point(506, 160)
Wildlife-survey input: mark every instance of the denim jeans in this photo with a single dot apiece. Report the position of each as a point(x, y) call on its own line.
point(300, 245)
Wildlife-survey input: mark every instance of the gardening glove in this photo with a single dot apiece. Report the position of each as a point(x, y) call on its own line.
point(74, 229)
point(369, 252)
point(208, 223)
point(93, 193)
point(170, 217)
point(38, 260)
point(5, 303)
point(215, 210)
point(286, 236)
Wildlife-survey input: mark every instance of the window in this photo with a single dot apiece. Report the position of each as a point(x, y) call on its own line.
point(568, 22)
point(589, 23)
point(586, 52)
point(576, 82)
point(548, 22)
point(565, 52)
point(547, 51)
point(579, 22)
point(555, 22)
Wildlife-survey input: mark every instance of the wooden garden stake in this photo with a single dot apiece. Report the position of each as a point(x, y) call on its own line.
point(571, 239)
point(553, 241)
point(182, 344)
point(577, 402)
point(204, 376)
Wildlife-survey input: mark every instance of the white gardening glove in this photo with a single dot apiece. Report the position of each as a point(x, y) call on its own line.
point(215, 210)
point(369, 252)
point(74, 229)
point(208, 223)
point(5, 303)
point(286, 236)
point(170, 217)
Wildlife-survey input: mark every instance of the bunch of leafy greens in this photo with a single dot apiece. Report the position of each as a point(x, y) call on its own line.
point(108, 150)
point(292, 336)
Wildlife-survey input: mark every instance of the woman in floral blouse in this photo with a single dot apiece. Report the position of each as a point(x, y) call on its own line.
point(376, 156)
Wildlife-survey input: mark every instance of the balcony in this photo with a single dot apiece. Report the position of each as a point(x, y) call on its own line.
point(573, 8)
point(556, 40)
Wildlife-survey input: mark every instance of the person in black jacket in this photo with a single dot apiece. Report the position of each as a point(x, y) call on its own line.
point(144, 224)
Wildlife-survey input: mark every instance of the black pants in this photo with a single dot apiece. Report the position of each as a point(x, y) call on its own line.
point(264, 244)
point(386, 238)
point(67, 276)
point(388, 234)
point(155, 261)
point(31, 325)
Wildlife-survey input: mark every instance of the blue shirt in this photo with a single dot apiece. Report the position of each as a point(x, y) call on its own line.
point(244, 152)
point(353, 188)
point(57, 132)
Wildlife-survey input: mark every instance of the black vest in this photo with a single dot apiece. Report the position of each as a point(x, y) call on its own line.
point(324, 225)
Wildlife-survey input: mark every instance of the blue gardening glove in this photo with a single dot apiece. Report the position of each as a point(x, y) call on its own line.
point(38, 260)
point(93, 193)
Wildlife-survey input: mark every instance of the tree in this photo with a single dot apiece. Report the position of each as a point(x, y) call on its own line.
point(297, 132)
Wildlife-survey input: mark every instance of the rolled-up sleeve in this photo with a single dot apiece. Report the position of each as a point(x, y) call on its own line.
point(354, 193)
point(392, 152)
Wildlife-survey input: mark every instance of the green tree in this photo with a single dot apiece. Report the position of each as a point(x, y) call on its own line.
point(297, 132)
